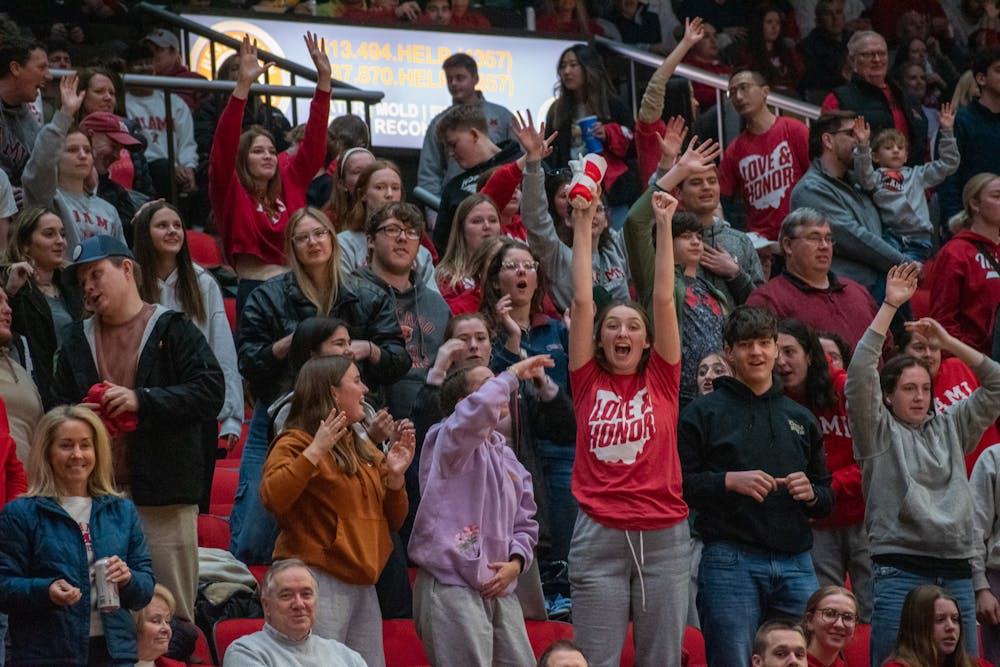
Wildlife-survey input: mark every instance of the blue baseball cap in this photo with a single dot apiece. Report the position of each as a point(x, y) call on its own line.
point(100, 247)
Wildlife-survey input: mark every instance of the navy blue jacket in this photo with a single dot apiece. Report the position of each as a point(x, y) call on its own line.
point(40, 543)
point(977, 132)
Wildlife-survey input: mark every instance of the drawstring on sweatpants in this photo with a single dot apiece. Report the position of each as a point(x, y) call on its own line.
point(639, 563)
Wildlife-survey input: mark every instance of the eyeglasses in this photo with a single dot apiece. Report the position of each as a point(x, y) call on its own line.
point(872, 55)
point(314, 235)
point(515, 266)
point(395, 231)
point(831, 616)
point(816, 239)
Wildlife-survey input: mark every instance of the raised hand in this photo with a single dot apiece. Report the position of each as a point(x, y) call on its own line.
point(862, 132)
point(699, 157)
point(694, 31)
point(399, 457)
point(946, 117)
point(536, 145)
point(330, 430)
point(447, 353)
point(901, 283)
point(380, 427)
point(664, 206)
point(250, 66)
point(71, 99)
point(17, 275)
point(409, 10)
point(532, 367)
point(931, 330)
point(317, 51)
point(503, 309)
point(672, 141)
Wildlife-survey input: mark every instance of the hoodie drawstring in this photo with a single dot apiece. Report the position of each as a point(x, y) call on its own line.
point(639, 563)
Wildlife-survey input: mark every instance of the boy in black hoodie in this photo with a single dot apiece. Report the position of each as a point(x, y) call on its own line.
point(755, 472)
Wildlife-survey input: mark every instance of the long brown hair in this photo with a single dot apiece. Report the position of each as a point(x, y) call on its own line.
point(269, 193)
point(341, 199)
point(915, 641)
point(313, 401)
point(321, 296)
point(22, 228)
point(456, 263)
point(358, 214)
point(187, 279)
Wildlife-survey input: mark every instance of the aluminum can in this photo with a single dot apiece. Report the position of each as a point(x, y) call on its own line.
point(107, 591)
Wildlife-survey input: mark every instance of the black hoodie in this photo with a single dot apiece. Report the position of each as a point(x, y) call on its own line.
point(732, 429)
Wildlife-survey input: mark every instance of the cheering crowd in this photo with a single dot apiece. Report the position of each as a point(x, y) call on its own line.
point(744, 383)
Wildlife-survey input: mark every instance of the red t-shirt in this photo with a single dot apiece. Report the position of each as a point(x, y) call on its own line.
point(764, 168)
point(627, 474)
point(814, 662)
point(955, 382)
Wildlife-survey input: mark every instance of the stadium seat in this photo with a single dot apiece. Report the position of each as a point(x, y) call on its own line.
point(543, 633)
point(402, 646)
point(227, 631)
point(202, 652)
point(694, 649)
point(213, 532)
point(258, 572)
point(204, 249)
point(223, 491)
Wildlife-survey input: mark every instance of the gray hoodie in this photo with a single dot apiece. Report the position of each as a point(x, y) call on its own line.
point(919, 501)
point(83, 215)
point(985, 482)
point(18, 129)
point(611, 269)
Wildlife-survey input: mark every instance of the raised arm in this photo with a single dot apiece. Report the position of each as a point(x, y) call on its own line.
point(900, 284)
point(667, 338)
point(652, 100)
point(581, 328)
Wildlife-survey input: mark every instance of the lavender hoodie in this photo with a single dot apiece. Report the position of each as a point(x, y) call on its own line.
point(476, 502)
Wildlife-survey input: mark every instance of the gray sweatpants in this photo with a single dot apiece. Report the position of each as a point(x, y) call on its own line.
point(615, 574)
point(841, 551)
point(458, 627)
point(351, 615)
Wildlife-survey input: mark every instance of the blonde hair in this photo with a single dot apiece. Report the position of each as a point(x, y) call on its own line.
point(321, 296)
point(456, 265)
point(159, 591)
point(966, 90)
point(972, 191)
point(41, 478)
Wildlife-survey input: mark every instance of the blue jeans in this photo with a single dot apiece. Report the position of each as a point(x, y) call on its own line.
point(915, 248)
point(889, 588)
point(557, 465)
point(253, 528)
point(3, 638)
point(739, 588)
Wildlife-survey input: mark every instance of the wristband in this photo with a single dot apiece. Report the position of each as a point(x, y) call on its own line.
point(891, 305)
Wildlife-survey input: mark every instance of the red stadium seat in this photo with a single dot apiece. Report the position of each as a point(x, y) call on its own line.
point(202, 652)
point(213, 532)
point(227, 631)
point(543, 633)
point(230, 305)
point(223, 491)
point(204, 249)
point(402, 646)
point(258, 572)
point(694, 649)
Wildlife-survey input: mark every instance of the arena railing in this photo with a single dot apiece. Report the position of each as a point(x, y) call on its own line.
point(782, 104)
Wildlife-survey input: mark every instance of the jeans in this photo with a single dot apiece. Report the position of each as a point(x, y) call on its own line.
point(915, 248)
point(3, 638)
point(990, 633)
point(253, 528)
point(890, 586)
point(740, 587)
point(557, 466)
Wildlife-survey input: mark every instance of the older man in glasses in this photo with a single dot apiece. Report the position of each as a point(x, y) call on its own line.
point(881, 102)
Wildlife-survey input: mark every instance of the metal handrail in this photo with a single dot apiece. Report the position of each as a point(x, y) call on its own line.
point(781, 103)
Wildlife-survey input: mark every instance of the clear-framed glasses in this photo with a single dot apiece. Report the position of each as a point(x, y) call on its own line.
point(880, 54)
point(831, 616)
point(527, 266)
point(817, 239)
point(314, 235)
point(395, 231)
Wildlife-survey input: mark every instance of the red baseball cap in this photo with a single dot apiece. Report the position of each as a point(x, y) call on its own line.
point(105, 122)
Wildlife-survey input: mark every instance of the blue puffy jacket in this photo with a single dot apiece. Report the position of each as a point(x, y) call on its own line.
point(40, 543)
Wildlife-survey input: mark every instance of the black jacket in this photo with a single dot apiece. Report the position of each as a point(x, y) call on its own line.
point(276, 307)
point(180, 389)
point(870, 102)
point(32, 318)
point(731, 430)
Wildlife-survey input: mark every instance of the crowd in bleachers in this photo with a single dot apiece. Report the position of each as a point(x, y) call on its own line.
point(666, 383)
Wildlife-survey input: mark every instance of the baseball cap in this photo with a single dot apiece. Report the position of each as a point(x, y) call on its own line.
point(98, 247)
point(761, 242)
point(162, 37)
point(105, 122)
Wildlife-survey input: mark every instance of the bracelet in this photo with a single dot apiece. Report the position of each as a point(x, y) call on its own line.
point(891, 305)
point(370, 352)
